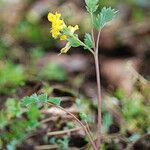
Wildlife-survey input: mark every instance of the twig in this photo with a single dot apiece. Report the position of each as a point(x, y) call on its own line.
point(82, 125)
point(88, 128)
point(46, 147)
point(64, 131)
point(48, 119)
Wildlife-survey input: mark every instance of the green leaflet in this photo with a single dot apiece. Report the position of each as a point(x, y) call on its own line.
point(64, 143)
point(106, 15)
point(84, 117)
point(35, 99)
point(54, 100)
point(43, 98)
point(106, 122)
point(88, 41)
point(91, 5)
point(53, 71)
point(28, 100)
point(13, 108)
point(74, 42)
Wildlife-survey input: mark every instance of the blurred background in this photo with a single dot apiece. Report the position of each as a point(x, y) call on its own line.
point(29, 64)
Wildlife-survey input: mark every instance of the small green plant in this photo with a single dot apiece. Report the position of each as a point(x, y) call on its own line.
point(63, 32)
point(11, 77)
point(64, 143)
point(53, 71)
point(14, 126)
point(135, 111)
point(60, 30)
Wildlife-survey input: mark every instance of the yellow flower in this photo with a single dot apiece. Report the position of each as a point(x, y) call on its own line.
point(68, 45)
point(73, 29)
point(57, 25)
point(66, 48)
point(63, 37)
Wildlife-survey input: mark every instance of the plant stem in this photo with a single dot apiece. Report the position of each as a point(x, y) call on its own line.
point(96, 58)
point(99, 119)
point(97, 42)
point(92, 31)
point(82, 125)
point(88, 128)
point(84, 45)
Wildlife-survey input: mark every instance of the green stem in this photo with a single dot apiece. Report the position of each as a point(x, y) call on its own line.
point(82, 44)
point(92, 31)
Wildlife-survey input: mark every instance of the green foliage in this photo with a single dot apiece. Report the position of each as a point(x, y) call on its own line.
point(88, 40)
point(11, 76)
point(3, 119)
point(53, 71)
point(119, 93)
point(84, 117)
point(13, 110)
point(106, 15)
point(67, 32)
point(91, 5)
point(54, 100)
point(12, 118)
point(84, 107)
point(36, 99)
point(12, 145)
point(106, 122)
point(1, 143)
point(69, 125)
point(134, 137)
point(1, 53)
point(134, 110)
point(64, 143)
point(32, 33)
point(52, 140)
point(74, 41)
point(36, 53)
point(32, 114)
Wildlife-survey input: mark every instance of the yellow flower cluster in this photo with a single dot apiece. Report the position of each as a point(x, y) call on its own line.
point(68, 46)
point(57, 27)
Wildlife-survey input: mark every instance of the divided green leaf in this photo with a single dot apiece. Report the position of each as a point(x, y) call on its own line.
point(84, 117)
point(64, 143)
point(54, 100)
point(106, 122)
point(34, 99)
point(91, 5)
point(13, 108)
point(106, 15)
point(53, 71)
point(43, 98)
point(66, 31)
point(88, 41)
point(74, 42)
point(26, 101)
